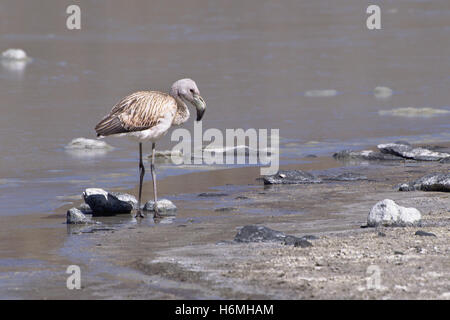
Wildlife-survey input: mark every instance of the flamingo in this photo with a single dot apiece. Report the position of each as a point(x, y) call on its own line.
point(147, 116)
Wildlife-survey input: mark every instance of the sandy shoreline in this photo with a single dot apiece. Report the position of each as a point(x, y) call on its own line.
point(192, 257)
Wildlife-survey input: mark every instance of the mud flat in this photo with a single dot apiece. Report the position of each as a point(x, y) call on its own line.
point(197, 258)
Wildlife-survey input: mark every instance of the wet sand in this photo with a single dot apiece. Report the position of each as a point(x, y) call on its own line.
point(192, 256)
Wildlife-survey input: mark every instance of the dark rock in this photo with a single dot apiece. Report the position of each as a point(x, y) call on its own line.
point(311, 156)
point(381, 234)
point(213, 194)
point(430, 182)
point(291, 177)
point(445, 160)
point(424, 233)
point(297, 242)
point(104, 203)
point(409, 152)
point(310, 237)
point(405, 187)
point(225, 209)
point(365, 155)
point(241, 198)
point(254, 233)
point(303, 243)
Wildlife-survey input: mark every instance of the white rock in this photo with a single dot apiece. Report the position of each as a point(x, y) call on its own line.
point(321, 93)
point(164, 206)
point(414, 112)
point(95, 191)
point(14, 54)
point(382, 92)
point(388, 213)
point(83, 143)
point(75, 216)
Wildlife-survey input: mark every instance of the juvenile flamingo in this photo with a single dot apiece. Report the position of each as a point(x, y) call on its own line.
point(147, 116)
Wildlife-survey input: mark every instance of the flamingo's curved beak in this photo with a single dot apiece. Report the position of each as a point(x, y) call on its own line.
point(200, 105)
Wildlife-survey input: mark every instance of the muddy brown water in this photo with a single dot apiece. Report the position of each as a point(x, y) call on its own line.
point(254, 62)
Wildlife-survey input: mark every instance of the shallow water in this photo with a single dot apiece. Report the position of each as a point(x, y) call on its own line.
point(256, 64)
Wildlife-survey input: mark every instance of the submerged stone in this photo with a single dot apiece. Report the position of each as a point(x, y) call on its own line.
point(83, 143)
point(382, 92)
point(321, 93)
point(414, 112)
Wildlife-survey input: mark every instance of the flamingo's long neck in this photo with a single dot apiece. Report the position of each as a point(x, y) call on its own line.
point(182, 114)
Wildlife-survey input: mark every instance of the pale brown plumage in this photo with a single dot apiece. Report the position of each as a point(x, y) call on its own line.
point(136, 112)
point(147, 116)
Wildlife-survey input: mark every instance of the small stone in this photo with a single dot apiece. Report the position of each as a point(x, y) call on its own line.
point(382, 92)
point(321, 93)
point(310, 237)
point(252, 233)
point(291, 177)
point(424, 234)
point(405, 187)
point(225, 209)
point(164, 206)
point(303, 243)
point(75, 216)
